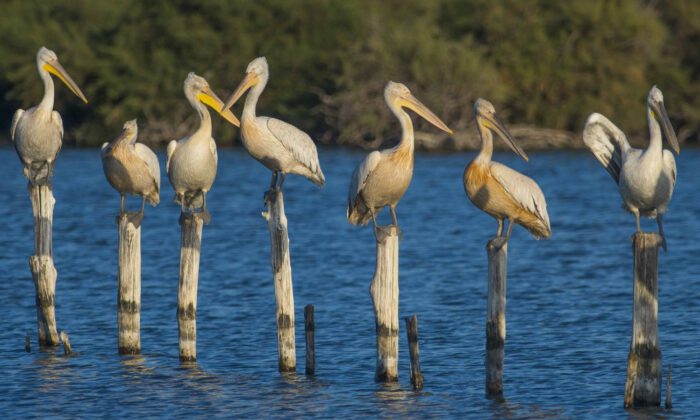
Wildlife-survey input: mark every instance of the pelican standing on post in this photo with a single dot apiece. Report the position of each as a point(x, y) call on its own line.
point(498, 190)
point(132, 168)
point(192, 160)
point(279, 146)
point(646, 178)
point(384, 176)
point(37, 133)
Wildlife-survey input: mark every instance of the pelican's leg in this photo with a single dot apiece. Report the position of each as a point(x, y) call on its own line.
point(659, 218)
point(122, 206)
point(500, 241)
point(379, 234)
point(395, 221)
point(279, 186)
point(636, 216)
point(205, 213)
point(273, 183)
point(500, 227)
point(52, 166)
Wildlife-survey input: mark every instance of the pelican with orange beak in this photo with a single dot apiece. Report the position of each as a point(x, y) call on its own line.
point(383, 177)
point(279, 146)
point(37, 133)
point(498, 190)
point(192, 160)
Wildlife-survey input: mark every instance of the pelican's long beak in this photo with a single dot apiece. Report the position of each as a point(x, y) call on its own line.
point(208, 97)
point(250, 80)
point(660, 111)
point(56, 68)
point(413, 103)
point(497, 125)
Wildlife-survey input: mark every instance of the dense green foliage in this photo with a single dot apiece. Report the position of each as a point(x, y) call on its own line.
point(543, 63)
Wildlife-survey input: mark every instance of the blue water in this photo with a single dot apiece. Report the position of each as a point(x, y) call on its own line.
point(568, 315)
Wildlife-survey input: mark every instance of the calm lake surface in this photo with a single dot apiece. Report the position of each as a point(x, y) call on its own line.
point(568, 315)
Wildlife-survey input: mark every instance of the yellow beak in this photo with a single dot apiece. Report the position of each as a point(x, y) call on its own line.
point(54, 67)
point(251, 79)
point(208, 97)
point(494, 123)
point(412, 103)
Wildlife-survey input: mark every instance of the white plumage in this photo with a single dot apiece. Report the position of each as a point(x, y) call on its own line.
point(646, 178)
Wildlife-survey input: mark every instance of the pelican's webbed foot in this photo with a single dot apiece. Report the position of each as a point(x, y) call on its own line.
point(497, 243)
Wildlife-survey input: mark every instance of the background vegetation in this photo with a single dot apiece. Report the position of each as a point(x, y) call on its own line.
point(543, 63)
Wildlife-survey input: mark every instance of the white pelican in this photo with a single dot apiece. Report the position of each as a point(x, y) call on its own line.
point(132, 168)
point(279, 146)
point(498, 190)
point(192, 160)
point(645, 177)
point(383, 176)
point(37, 132)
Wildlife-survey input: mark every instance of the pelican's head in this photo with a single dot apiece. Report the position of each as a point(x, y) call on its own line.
point(197, 89)
point(47, 60)
point(131, 129)
point(655, 102)
point(486, 118)
point(257, 73)
point(397, 95)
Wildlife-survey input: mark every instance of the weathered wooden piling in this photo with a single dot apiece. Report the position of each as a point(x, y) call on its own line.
point(41, 263)
point(497, 252)
point(412, 333)
point(384, 291)
point(190, 246)
point(643, 386)
point(282, 274)
point(309, 330)
point(129, 288)
point(67, 349)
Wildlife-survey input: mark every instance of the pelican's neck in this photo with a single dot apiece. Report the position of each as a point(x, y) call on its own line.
point(204, 130)
point(406, 144)
point(655, 143)
point(251, 101)
point(46, 104)
point(486, 142)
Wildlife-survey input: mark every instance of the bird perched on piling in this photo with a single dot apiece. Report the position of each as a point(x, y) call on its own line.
point(37, 133)
point(497, 189)
point(279, 146)
point(131, 168)
point(192, 160)
point(383, 177)
point(645, 178)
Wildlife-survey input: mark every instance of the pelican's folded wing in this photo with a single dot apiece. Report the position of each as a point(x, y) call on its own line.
point(15, 121)
point(298, 143)
point(151, 160)
point(523, 189)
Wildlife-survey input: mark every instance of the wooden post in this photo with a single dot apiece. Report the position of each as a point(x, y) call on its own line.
point(669, 403)
point(190, 245)
point(496, 316)
point(643, 386)
point(309, 327)
point(384, 291)
point(41, 264)
point(129, 288)
point(412, 333)
point(282, 274)
point(67, 349)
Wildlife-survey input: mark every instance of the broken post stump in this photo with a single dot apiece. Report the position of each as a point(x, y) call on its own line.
point(41, 264)
point(497, 251)
point(309, 330)
point(129, 287)
point(412, 333)
point(643, 385)
point(190, 246)
point(384, 291)
point(282, 276)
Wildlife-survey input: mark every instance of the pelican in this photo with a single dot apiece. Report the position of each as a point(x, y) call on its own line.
point(192, 160)
point(279, 146)
point(37, 132)
point(132, 168)
point(498, 190)
point(645, 177)
point(383, 176)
